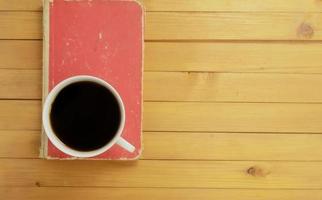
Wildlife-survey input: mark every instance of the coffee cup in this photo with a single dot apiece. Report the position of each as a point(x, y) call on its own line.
point(84, 116)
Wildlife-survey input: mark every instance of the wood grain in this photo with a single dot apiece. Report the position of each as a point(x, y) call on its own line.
point(233, 5)
point(233, 26)
point(182, 26)
point(27, 141)
point(195, 146)
point(192, 5)
point(20, 25)
point(20, 115)
point(232, 117)
point(20, 84)
point(233, 57)
point(231, 87)
point(20, 54)
point(26, 5)
point(157, 173)
point(195, 56)
point(232, 146)
point(205, 87)
point(54, 193)
point(193, 116)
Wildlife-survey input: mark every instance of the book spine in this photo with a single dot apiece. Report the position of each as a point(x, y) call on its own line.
point(45, 65)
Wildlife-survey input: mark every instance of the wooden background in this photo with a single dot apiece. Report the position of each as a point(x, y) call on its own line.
point(241, 120)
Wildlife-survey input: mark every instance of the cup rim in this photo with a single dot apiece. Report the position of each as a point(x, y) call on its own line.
point(47, 109)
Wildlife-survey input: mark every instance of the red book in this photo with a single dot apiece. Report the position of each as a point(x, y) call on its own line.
point(100, 38)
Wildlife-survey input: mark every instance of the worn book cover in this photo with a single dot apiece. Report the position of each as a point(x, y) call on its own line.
point(102, 38)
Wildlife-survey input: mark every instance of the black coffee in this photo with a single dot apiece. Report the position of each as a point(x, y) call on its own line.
point(85, 116)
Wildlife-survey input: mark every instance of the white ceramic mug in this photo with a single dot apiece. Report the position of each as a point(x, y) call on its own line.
point(117, 139)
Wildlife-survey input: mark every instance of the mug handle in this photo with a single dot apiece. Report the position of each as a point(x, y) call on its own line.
point(125, 145)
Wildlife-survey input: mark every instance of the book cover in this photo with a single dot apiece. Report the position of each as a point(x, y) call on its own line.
point(101, 38)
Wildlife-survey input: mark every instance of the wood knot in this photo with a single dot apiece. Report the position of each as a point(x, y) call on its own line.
point(37, 184)
point(305, 30)
point(257, 171)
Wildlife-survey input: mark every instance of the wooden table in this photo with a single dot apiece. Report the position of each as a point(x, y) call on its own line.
point(232, 106)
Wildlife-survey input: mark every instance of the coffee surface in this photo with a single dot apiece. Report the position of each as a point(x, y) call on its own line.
point(85, 116)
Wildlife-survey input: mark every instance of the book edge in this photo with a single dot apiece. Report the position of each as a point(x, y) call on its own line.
point(46, 22)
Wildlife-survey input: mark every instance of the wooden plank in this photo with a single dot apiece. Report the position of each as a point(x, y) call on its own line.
point(156, 173)
point(184, 56)
point(192, 5)
point(233, 57)
point(19, 144)
point(193, 116)
point(20, 115)
point(232, 87)
point(20, 54)
point(193, 26)
point(54, 193)
point(209, 87)
point(196, 146)
point(232, 146)
point(233, 5)
point(232, 117)
point(27, 5)
point(233, 26)
point(20, 84)
point(20, 25)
